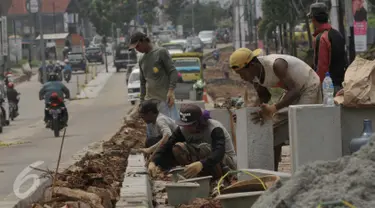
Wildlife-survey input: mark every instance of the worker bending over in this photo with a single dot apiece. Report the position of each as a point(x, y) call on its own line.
point(300, 81)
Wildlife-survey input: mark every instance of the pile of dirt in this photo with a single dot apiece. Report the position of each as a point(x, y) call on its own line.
point(95, 181)
point(350, 178)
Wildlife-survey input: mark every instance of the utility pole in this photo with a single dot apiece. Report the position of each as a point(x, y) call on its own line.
point(249, 21)
point(255, 25)
point(334, 14)
point(33, 7)
point(15, 39)
point(239, 21)
point(350, 31)
point(54, 17)
point(192, 17)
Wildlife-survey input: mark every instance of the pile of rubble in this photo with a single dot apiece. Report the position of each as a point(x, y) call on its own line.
point(94, 181)
point(350, 178)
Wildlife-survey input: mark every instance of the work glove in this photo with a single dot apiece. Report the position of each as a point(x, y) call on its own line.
point(152, 169)
point(266, 112)
point(170, 97)
point(193, 169)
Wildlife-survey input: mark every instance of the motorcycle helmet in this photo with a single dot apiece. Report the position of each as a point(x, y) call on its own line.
point(52, 76)
point(10, 85)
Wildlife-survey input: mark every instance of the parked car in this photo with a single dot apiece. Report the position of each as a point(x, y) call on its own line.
point(94, 55)
point(77, 61)
point(124, 58)
point(173, 47)
point(208, 38)
point(134, 86)
point(194, 44)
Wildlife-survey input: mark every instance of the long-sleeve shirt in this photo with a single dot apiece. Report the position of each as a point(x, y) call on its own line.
point(323, 56)
point(53, 86)
point(214, 134)
point(157, 74)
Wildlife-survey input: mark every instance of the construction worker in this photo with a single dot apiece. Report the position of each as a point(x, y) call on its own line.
point(201, 144)
point(329, 47)
point(300, 81)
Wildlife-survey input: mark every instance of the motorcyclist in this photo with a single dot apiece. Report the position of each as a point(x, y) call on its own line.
point(67, 66)
point(53, 87)
point(13, 95)
point(4, 104)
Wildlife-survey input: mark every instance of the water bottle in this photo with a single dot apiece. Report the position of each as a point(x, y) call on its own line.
point(357, 143)
point(328, 91)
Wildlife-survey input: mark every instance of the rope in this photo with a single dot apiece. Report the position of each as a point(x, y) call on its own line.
point(239, 171)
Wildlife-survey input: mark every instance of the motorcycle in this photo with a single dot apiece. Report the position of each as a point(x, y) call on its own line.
point(13, 112)
point(56, 123)
point(3, 120)
point(67, 75)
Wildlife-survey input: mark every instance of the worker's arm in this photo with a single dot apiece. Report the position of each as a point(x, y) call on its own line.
point(263, 93)
point(177, 136)
point(324, 56)
point(143, 83)
point(169, 67)
point(217, 148)
point(165, 131)
point(280, 67)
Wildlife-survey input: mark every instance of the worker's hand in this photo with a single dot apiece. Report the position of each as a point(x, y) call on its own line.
point(266, 112)
point(146, 151)
point(170, 97)
point(193, 169)
point(152, 169)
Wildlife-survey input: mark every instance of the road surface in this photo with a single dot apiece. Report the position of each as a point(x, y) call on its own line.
point(90, 120)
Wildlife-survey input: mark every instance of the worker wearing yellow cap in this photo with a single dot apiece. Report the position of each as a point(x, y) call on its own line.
point(300, 81)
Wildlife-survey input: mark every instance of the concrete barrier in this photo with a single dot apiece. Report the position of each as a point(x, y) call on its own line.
point(314, 133)
point(222, 115)
point(254, 142)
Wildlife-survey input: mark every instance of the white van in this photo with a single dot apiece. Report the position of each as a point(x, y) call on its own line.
point(134, 86)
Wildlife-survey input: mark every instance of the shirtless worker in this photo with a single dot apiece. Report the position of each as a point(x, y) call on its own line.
point(300, 81)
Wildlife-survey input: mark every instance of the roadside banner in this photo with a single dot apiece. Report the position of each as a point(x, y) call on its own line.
point(359, 8)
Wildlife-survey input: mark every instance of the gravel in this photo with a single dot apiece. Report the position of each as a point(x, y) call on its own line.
point(350, 178)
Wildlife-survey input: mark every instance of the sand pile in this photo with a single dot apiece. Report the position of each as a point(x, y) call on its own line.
point(350, 178)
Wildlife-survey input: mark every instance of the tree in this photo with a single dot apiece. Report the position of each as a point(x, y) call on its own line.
point(174, 10)
point(147, 11)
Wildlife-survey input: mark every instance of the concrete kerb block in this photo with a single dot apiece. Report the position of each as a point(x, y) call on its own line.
point(254, 142)
point(314, 133)
point(223, 116)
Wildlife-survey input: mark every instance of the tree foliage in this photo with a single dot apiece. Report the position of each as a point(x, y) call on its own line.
point(174, 10)
point(104, 13)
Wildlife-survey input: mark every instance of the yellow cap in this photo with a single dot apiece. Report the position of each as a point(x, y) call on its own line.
point(242, 56)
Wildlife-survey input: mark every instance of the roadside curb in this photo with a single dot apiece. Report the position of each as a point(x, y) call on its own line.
point(136, 188)
point(93, 88)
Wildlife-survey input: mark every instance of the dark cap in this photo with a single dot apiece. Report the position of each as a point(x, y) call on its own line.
point(149, 106)
point(135, 38)
point(318, 8)
point(189, 114)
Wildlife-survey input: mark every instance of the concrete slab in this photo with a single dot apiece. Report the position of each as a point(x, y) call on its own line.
point(254, 142)
point(223, 116)
point(315, 134)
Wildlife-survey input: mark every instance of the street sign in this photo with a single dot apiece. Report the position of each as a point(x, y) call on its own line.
point(32, 6)
point(4, 39)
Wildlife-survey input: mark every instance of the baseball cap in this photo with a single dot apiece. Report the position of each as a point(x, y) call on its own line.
point(189, 114)
point(241, 57)
point(318, 8)
point(135, 38)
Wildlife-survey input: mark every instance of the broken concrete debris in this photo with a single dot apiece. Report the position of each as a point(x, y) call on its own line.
point(94, 181)
point(350, 178)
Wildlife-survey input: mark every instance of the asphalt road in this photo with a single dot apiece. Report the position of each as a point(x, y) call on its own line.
point(90, 120)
